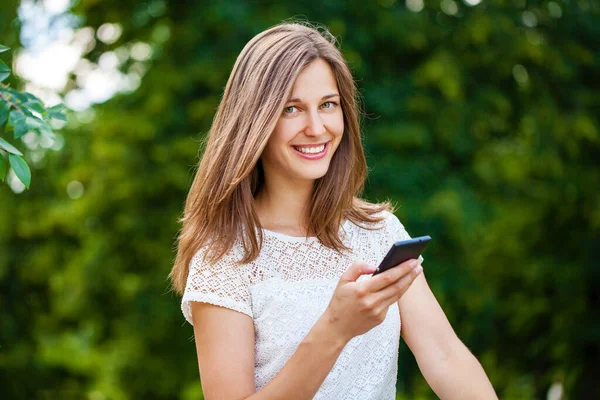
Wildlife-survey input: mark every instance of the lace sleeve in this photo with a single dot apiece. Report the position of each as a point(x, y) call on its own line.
point(397, 231)
point(222, 284)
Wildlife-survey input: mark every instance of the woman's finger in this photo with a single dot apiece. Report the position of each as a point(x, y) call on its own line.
point(393, 292)
point(389, 277)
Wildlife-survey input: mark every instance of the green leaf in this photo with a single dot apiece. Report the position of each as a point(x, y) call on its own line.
point(31, 97)
point(46, 130)
point(2, 167)
point(4, 110)
point(19, 96)
point(35, 106)
point(57, 115)
point(21, 169)
point(4, 67)
point(15, 116)
point(57, 112)
point(9, 147)
point(4, 71)
point(4, 48)
point(36, 124)
point(27, 112)
point(33, 123)
point(57, 108)
point(20, 129)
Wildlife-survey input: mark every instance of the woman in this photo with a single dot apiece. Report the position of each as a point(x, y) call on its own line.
point(276, 246)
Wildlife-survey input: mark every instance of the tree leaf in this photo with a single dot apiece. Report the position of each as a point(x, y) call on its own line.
point(19, 96)
point(27, 112)
point(4, 71)
point(4, 67)
point(21, 169)
point(57, 108)
point(9, 147)
point(57, 115)
point(15, 116)
point(20, 129)
point(31, 97)
point(33, 123)
point(4, 110)
point(46, 130)
point(35, 106)
point(2, 167)
point(4, 48)
point(57, 112)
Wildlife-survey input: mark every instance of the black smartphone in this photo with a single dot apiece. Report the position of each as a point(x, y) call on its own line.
point(402, 251)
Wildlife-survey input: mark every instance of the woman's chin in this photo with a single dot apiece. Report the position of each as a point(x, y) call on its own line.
point(313, 174)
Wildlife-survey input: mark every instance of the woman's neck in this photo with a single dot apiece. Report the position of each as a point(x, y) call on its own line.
point(283, 206)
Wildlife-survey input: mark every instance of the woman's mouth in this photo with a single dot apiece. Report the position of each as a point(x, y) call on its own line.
point(311, 152)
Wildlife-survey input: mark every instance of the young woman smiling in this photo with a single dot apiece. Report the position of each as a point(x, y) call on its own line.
point(276, 248)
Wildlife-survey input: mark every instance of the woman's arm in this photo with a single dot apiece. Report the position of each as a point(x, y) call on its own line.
point(225, 348)
point(446, 363)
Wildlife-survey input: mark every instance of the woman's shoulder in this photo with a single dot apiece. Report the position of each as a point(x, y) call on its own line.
point(390, 220)
point(212, 256)
point(383, 226)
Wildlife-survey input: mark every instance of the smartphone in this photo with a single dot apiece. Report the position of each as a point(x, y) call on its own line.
point(402, 251)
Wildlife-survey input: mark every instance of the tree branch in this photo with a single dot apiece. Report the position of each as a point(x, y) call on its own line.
point(5, 98)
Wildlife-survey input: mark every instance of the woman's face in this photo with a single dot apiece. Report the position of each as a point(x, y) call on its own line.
point(310, 127)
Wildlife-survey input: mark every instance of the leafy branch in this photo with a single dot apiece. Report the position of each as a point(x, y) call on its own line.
point(21, 113)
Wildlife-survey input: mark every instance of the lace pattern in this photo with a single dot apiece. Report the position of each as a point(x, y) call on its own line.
point(287, 288)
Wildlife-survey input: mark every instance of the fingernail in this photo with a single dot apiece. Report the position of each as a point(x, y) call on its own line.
point(418, 270)
point(414, 263)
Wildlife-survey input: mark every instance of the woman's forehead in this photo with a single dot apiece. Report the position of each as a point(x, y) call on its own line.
point(314, 82)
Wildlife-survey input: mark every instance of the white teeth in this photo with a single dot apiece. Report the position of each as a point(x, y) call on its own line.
point(311, 150)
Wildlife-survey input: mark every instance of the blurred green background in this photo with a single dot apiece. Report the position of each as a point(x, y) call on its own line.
point(482, 124)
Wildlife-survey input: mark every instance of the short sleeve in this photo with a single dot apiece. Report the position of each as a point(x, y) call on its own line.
point(396, 231)
point(222, 283)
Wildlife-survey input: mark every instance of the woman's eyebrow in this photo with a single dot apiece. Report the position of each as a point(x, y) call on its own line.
point(297, 100)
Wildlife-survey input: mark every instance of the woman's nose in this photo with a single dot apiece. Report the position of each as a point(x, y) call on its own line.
point(314, 125)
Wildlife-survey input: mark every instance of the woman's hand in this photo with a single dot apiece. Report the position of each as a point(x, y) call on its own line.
point(356, 307)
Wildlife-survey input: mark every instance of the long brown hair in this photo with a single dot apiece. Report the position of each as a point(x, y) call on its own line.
point(220, 204)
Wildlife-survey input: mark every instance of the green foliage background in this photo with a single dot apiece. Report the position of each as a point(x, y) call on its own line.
point(483, 126)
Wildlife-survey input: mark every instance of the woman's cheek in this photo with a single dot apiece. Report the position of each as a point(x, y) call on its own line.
point(339, 126)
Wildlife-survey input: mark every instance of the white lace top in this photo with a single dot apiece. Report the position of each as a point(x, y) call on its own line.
point(285, 291)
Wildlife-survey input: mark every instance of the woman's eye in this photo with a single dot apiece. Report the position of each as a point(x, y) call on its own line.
point(289, 110)
point(329, 104)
